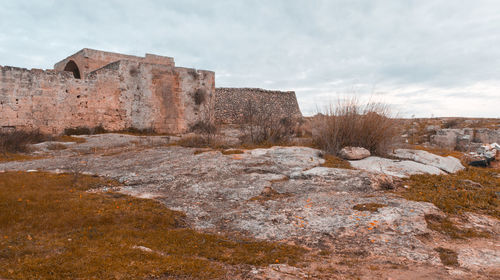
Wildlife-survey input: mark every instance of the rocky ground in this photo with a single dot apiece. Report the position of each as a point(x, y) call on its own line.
point(283, 194)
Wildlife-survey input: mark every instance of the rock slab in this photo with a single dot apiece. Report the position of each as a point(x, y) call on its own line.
point(397, 168)
point(354, 153)
point(449, 164)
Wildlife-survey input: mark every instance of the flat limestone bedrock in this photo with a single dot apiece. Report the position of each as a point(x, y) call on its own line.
point(316, 206)
point(449, 164)
point(397, 168)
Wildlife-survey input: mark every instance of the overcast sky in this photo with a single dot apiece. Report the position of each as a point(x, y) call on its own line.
point(425, 58)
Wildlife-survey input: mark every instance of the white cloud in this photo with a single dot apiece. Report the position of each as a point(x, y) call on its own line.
point(426, 57)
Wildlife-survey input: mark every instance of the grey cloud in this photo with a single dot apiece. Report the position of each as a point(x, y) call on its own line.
point(326, 47)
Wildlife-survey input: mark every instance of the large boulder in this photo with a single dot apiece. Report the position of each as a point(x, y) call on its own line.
point(397, 168)
point(486, 136)
point(449, 164)
point(354, 153)
point(446, 138)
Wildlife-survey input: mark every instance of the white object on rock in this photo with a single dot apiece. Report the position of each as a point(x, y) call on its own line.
point(449, 164)
point(354, 153)
point(398, 168)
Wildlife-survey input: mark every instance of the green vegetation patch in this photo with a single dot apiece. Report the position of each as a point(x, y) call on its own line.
point(51, 228)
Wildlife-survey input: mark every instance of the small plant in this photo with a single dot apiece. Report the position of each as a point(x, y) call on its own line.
point(84, 130)
point(335, 162)
point(372, 207)
point(447, 256)
point(232, 152)
point(17, 141)
point(199, 97)
point(206, 131)
point(445, 226)
point(453, 123)
point(56, 146)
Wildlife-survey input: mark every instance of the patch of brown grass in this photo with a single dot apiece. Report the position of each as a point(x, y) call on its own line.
point(269, 194)
point(335, 162)
point(51, 228)
point(232, 152)
point(5, 157)
point(372, 207)
point(66, 138)
point(447, 256)
point(454, 193)
point(56, 146)
point(446, 227)
point(17, 141)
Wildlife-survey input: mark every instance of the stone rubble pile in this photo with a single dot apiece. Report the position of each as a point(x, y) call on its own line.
point(484, 155)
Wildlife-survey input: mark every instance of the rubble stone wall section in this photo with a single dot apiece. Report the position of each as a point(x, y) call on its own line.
point(232, 103)
point(463, 139)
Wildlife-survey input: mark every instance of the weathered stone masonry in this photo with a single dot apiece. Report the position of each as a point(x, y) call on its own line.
point(231, 103)
point(92, 88)
point(101, 88)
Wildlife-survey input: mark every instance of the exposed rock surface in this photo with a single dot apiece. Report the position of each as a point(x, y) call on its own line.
point(354, 153)
point(398, 168)
point(301, 203)
point(449, 164)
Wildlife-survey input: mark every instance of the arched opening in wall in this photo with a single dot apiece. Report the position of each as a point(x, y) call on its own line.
point(72, 67)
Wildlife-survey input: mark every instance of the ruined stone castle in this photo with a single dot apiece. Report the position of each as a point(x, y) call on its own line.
point(95, 88)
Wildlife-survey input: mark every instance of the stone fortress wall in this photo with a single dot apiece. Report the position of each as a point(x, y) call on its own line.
point(130, 91)
point(231, 104)
point(92, 88)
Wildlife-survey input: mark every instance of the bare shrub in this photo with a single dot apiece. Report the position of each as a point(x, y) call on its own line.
point(350, 123)
point(265, 127)
point(18, 141)
point(84, 130)
point(206, 131)
point(138, 131)
point(193, 141)
point(452, 123)
point(80, 130)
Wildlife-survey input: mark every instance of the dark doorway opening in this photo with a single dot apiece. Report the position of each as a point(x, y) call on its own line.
point(72, 67)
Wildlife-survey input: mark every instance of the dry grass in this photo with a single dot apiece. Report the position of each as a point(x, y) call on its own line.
point(266, 127)
point(446, 227)
point(50, 228)
point(459, 192)
point(4, 157)
point(335, 162)
point(350, 123)
point(66, 138)
point(447, 256)
point(232, 152)
point(56, 146)
point(17, 141)
point(372, 207)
